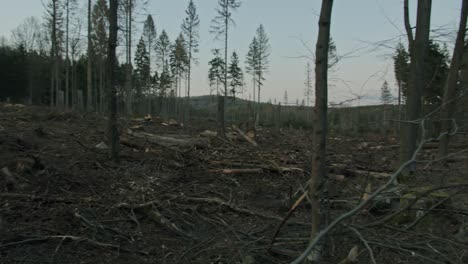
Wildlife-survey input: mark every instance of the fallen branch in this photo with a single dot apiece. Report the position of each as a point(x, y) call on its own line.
point(288, 215)
point(363, 203)
point(76, 239)
point(232, 207)
point(155, 215)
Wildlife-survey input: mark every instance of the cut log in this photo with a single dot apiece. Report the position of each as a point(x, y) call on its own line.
point(208, 133)
point(246, 137)
point(176, 144)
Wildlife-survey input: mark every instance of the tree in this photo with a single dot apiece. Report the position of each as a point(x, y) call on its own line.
point(436, 68)
point(251, 63)
point(419, 53)
point(70, 6)
point(149, 35)
point(308, 84)
point(216, 71)
point(401, 71)
point(112, 130)
point(386, 98)
point(149, 39)
point(262, 57)
point(261, 64)
point(235, 75)
point(54, 21)
point(99, 38)
point(89, 73)
point(142, 69)
point(163, 49)
point(385, 94)
point(448, 105)
point(27, 36)
point(220, 27)
point(178, 62)
point(190, 28)
point(318, 182)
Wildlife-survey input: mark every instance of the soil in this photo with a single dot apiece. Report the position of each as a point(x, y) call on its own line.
point(67, 203)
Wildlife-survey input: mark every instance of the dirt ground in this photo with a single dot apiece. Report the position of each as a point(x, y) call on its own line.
point(67, 203)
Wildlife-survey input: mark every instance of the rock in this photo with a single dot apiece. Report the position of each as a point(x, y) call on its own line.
point(102, 146)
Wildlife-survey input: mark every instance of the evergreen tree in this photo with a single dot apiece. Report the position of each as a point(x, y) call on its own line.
point(165, 80)
point(251, 62)
point(216, 71)
point(190, 28)
point(262, 57)
point(308, 91)
point(235, 75)
point(436, 67)
point(401, 69)
point(99, 38)
point(149, 37)
point(163, 49)
point(142, 69)
point(385, 94)
point(178, 63)
point(220, 27)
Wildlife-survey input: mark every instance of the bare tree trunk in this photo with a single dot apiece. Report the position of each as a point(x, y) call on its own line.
point(54, 79)
point(409, 30)
point(319, 171)
point(67, 58)
point(221, 98)
point(189, 80)
point(409, 135)
point(128, 78)
point(449, 103)
point(113, 133)
point(89, 73)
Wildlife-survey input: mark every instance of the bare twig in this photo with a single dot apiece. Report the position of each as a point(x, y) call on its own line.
point(371, 253)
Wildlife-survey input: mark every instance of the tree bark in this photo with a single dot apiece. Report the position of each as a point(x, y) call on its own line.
point(449, 102)
point(67, 58)
point(89, 73)
point(128, 78)
point(113, 133)
point(409, 136)
point(409, 30)
point(319, 172)
point(221, 98)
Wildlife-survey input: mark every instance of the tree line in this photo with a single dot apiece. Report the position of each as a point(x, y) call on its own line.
point(61, 60)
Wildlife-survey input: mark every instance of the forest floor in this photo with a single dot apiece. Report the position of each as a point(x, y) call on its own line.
point(63, 201)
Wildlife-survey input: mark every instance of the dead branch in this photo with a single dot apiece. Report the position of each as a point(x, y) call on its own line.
point(155, 215)
point(76, 239)
point(288, 215)
point(371, 252)
point(363, 203)
point(232, 207)
point(40, 198)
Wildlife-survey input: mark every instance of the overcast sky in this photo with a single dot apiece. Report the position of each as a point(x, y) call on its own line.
point(289, 24)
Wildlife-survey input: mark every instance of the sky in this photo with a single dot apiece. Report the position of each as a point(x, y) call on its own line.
point(365, 31)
